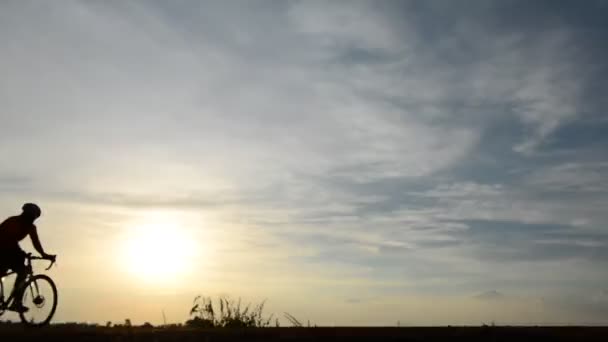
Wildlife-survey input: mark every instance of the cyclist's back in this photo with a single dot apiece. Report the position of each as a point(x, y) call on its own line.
point(13, 230)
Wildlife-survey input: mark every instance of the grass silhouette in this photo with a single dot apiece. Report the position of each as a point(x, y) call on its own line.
point(231, 314)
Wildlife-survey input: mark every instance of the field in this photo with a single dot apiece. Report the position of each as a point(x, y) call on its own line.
point(485, 333)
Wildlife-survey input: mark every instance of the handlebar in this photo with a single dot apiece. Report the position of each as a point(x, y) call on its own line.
point(32, 257)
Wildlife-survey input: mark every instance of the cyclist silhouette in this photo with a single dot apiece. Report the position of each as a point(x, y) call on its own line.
point(13, 230)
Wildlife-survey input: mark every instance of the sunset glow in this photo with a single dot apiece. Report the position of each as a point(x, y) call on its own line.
point(158, 250)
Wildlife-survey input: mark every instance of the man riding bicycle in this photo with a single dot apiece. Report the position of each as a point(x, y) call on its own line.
point(13, 230)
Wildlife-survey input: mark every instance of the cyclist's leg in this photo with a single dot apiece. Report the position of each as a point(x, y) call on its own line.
point(3, 272)
point(16, 262)
point(3, 267)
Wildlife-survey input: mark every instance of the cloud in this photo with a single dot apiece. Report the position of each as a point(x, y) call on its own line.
point(299, 120)
point(351, 119)
point(356, 26)
point(572, 178)
point(490, 295)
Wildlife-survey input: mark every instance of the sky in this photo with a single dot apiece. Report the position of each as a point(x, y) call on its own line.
point(351, 162)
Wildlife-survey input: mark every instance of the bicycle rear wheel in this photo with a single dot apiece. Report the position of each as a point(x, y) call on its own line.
point(40, 297)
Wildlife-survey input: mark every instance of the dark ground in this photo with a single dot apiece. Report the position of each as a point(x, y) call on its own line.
point(486, 333)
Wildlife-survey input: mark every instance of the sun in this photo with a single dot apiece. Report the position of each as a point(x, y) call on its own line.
point(158, 250)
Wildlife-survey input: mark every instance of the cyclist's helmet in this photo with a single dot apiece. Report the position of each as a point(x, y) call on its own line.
point(31, 210)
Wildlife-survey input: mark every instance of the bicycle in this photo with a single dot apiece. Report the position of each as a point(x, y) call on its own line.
point(38, 290)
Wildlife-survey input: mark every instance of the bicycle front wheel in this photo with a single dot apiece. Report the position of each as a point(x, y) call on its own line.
point(40, 297)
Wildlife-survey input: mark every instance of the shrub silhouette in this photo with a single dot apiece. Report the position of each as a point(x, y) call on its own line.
point(230, 315)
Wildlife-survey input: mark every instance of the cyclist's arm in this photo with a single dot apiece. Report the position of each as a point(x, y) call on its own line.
point(36, 242)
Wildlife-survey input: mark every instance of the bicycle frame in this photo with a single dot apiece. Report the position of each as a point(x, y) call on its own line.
point(29, 270)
